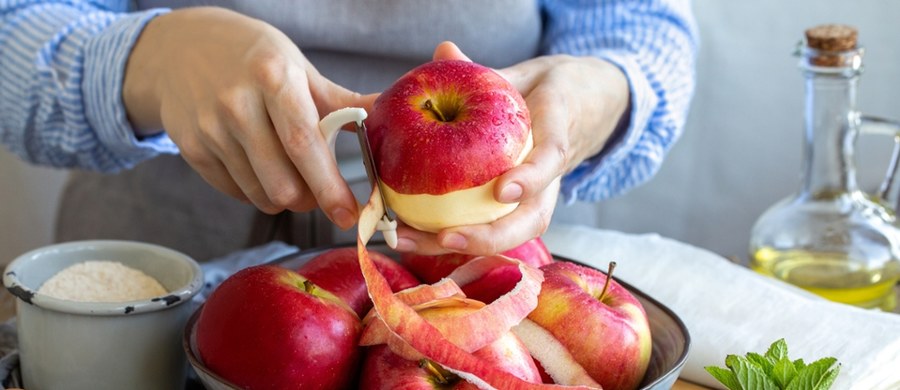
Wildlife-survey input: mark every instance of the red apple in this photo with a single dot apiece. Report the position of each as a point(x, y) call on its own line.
point(383, 369)
point(440, 135)
point(267, 327)
point(603, 329)
point(430, 269)
point(492, 285)
point(337, 270)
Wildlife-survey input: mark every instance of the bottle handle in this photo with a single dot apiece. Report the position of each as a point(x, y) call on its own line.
point(883, 126)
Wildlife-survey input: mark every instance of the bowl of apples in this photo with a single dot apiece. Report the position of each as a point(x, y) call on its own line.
point(307, 320)
point(356, 317)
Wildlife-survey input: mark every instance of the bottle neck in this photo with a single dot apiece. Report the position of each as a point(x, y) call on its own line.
point(831, 129)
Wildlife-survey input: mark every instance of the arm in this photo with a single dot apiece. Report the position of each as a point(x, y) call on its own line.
point(93, 88)
point(654, 44)
point(60, 91)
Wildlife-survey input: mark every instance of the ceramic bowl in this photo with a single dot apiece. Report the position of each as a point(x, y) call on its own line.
point(103, 345)
point(671, 340)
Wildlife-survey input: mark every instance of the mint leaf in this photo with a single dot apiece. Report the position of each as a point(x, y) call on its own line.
point(762, 361)
point(778, 350)
point(749, 375)
point(724, 376)
point(828, 379)
point(815, 376)
point(775, 371)
point(784, 372)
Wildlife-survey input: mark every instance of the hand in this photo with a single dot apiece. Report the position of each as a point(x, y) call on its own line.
point(575, 105)
point(242, 103)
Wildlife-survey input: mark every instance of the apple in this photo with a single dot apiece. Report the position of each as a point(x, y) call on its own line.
point(267, 327)
point(384, 369)
point(596, 323)
point(337, 270)
point(430, 269)
point(440, 136)
point(492, 285)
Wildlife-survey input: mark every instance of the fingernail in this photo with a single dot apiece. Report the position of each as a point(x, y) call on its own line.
point(454, 241)
point(511, 193)
point(405, 245)
point(343, 218)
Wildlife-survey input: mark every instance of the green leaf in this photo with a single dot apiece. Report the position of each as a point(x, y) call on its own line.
point(814, 376)
point(784, 372)
point(828, 378)
point(751, 376)
point(762, 362)
point(725, 377)
point(775, 371)
point(778, 350)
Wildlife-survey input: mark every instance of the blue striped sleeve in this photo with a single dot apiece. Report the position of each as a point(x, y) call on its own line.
point(60, 90)
point(654, 43)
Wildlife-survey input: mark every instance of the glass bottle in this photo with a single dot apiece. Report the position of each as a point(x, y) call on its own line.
point(831, 238)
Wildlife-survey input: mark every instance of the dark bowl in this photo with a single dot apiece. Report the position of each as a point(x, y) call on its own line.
point(671, 340)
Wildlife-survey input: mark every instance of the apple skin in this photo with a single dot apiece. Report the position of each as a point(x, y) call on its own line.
point(485, 127)
point(431, 269)
point(609, 338)
point(261, 329)
point(385, 370)
point(337, 270)
point(440, 137)
point(492, 285)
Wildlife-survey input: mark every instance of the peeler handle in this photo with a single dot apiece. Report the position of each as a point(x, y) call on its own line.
point(329, 126)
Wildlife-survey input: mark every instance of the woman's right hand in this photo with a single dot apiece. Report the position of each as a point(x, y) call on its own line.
point(242, 103)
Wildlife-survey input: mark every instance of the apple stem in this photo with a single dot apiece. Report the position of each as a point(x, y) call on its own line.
point(434, 110)
point(609, 272)
point(441, 376)
point(309, 286)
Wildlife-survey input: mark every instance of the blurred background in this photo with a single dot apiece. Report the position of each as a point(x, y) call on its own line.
point(740, 153)
point(742, 147)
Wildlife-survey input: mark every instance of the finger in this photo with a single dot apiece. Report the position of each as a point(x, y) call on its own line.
point(366, 101)
point(523, 74)
point(530, 219)
point(274, 171)
point(234, 159)
point(449, 51)
point(547, 161)
point(295, 117)
point(416, 241)
point(184, 127)
point(214, 173)
point(329, 96)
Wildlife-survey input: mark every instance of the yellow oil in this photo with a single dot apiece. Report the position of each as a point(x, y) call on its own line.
point(831, 275)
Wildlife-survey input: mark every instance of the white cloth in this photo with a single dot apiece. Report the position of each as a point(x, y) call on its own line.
point(729, 309)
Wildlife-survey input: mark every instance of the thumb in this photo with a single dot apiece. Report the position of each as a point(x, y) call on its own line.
point(329, 96)
point(366, 101)
point(449, 51)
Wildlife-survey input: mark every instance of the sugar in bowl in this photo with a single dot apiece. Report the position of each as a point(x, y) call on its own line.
point(72, 336)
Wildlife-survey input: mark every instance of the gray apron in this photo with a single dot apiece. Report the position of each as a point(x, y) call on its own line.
point(362, 45)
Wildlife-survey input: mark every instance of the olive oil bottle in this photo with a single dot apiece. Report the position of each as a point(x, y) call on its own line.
point(833, 276)
point(830, 237)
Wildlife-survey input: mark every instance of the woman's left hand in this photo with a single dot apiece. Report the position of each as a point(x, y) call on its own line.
point(575, 104)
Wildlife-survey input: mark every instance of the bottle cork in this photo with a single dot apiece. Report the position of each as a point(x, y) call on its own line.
point(831, 40)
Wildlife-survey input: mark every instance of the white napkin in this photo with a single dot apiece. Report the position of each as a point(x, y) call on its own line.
point(729, 309)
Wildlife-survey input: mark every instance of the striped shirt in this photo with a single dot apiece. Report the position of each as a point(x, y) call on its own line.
point(62, 64)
